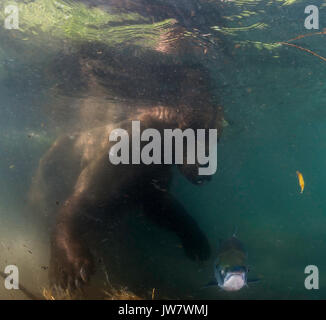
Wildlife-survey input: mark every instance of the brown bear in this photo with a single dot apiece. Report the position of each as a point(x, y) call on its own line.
point(161, 93)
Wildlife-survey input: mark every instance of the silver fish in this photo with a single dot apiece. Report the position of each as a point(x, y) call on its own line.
point(231, 266)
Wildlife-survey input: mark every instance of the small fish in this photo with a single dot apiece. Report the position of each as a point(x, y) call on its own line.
point(231, 268)
point(301, 181)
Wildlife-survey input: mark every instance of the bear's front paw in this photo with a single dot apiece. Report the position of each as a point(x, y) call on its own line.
point(196, 246)
point(71, 264)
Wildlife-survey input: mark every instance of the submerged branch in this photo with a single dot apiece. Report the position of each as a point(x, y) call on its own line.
point(303, 49)
point(308, 35)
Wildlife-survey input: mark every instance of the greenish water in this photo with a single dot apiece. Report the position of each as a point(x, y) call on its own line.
point(273, 98)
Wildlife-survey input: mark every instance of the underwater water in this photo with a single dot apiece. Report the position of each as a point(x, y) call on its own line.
point(273, 97)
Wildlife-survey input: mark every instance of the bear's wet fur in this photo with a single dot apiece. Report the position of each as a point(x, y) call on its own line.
point(75, 176)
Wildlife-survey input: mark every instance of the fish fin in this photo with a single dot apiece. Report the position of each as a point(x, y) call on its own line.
point(210, 284)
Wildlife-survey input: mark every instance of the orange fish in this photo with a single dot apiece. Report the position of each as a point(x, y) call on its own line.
point(301, 181)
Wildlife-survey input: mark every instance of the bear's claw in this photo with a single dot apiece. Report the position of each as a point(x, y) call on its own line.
point(71, 266)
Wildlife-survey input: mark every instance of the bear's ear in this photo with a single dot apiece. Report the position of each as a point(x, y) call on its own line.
point(174, 42)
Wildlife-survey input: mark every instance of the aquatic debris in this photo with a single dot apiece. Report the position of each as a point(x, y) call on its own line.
point(300, 180)
point(156, 185)
point(33, 135)
point(58, 294)
point(303, 49)
point(225, 123)
point(47, 294)
point(122, 294)
point(12, 166)
point(308, 35)
point(286, 43)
